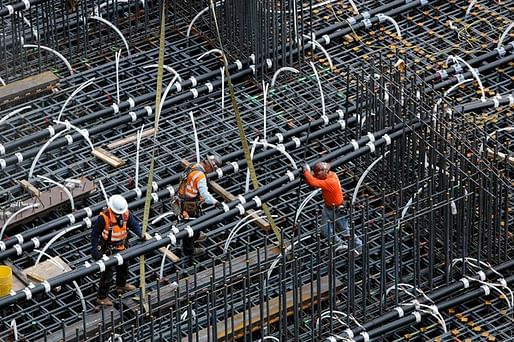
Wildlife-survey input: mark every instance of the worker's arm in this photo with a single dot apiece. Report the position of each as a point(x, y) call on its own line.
point(96, 232)
point(204, 192)
point(134, 225)
point(315, 182)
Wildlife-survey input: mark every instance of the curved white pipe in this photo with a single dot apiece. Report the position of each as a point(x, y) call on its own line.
point(167, 67)
point(15, 330)
point(103, 191)
point(195, 19)
point(111, 25)
point(139, 135)
point(197, 145)
point(50, 258)
point(75, 92)
point(160, 217)
point(161, 270)
point(81, 296)
point(325, 52)
point(65, 189)
point(473, 72)
point(46, 48)
point(361, 179)
point(504, 34)
point(222, 69)
point(218, 51)
point(42, 149)
point(30, 206)
point(407, 206)
point(166, 91)
point(11, 114)
point(238, 227)
point(57, 236)
point(118, 55)
point(473, 2)
point(304, 203)
point(78, 130)
point(381, 17)
point(275, 75)
point(288, 156)
point(2, 81)
point(252, 152)
point(320, 89)
point(265, 90)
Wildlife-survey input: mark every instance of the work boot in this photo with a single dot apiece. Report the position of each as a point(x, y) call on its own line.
point(202, 237)
point(104, 301)
point(194, 252)
point(127, 288)
point(341, 247)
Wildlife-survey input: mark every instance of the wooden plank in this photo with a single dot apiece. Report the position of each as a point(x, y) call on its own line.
point(130, 139)
point(169, 254)
point(47, 269)
point(271, 312)
point(108, 157)
point(26, 88)
point(228, 196)
point(48, 200)
point(31, 189)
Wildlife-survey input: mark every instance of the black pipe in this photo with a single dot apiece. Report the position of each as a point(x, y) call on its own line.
point(264, 194)
point(481, 105)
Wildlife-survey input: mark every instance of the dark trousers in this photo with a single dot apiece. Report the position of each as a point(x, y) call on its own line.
point(106, 279)
point(188, 244)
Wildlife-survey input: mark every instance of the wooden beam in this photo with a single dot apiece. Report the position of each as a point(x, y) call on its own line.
point(251, 318)
point(228, 196)
point(108, 157)
point(26, 88)
point(130, 139)
point(169, 254)
point(31, 189)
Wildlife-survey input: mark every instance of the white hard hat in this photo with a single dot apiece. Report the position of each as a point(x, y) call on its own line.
point(118, 204)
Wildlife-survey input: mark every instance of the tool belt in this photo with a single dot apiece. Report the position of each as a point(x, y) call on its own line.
point(108, 248)
point(190, 207)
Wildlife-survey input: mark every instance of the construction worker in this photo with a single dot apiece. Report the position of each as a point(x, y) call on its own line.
point(192, 193)
point(333, 211)
point(109, 236)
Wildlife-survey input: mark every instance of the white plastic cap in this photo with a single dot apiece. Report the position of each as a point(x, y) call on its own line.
point(118, 204)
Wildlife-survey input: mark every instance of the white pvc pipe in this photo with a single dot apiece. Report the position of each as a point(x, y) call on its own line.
point(61, 57)
point(57, 236)
point(30, 206)
point(118, 55)
point(197, 145)
point(218, 51)
point(42, 149)
point(473, 72)
point(195, 19)
point(65, 189)
point(222, 69)
point(325, 52)
point(504, 34)
point(161, 270)
point(103, 191)
point(11, 114)
point(288, 156)
point(361, 179)
point(78, 130)
point(14, 329)
point(275, 75)
point(81, 296)
point(407, 206)
point(167, 67)
point(473, 2)
point(75, 92)
point(111, 25)
point(160, 217)
point(265, 90)
point(51, 259)
point(320, 89)
point(383, 17)
point(139, 135)
point(165, 94)
point(304, 203)
point(252, 152)
point(238, 227)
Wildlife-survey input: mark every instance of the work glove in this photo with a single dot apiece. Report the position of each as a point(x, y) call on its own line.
point(306, 167)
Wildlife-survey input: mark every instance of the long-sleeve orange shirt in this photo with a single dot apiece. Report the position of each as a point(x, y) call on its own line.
point(330, 187)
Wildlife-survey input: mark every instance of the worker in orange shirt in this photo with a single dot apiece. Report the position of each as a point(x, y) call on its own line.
point(333, 211)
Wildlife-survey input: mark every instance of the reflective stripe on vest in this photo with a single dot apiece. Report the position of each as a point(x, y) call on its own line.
point(190, 191)
point(119, 234)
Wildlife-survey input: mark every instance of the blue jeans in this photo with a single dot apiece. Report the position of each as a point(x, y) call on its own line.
point(327, 229)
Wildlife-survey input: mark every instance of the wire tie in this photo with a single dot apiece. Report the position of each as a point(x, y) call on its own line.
point(195, 93)
point(241, 199)
point(27, 4)
point(381, 17)
point(239, 64)
point(219, 171)
point(28, 293)
point(511, 100)
point(326, 37)
point(209, 86)
point(417, 315)
point(280, 137)
point(190, 232)
point(296, 141)
point(88, 223)
point(387, 139)
point(131, 102)
point(253, 69)
point(138, 192)
point(400, 311)
point(101, 264)
point(87, 264)
point(501, 51)
point(19, 156)
point(487, 289)
point(349, 333)
point(47, 286)
point(171, 190)
point(371, 137)
point(2, 164)
point(365, 336)
point(115, 108)
point(241, 209)
point(119, 257)
point(148, 110)
point(193, 80)
point(36, 242)
point(355, 144)
point(18, 249)
point(367, 23)
point(10, 9)
point(281, 148)
point(269, 63)
point(423, 2)
point(496, 103)
point(290, 175)
point(133, 116)
point(351, 21)
point(258, 201)
point(235, 166)
point(503, 282)
point(155, 197)
point(443, 74)
point(252, 57)
point(173, 239)
point(157, 237)
point(155, 186)
point(88, 211)
point(2, 246)
point(175, 230)
point(225, 206)
point(2, 150)
point(482, 276)
point(459, 77)
point(69, 138)
point(178, 87)
point(19, 237)
point(465, 282)
point(342, 124)
point(365, 15)
point(325, 119)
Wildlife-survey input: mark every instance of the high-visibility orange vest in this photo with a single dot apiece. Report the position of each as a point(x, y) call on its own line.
point(119, 234)
point(188, 187)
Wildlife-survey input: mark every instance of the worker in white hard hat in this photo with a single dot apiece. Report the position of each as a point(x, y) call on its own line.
point(108, 236)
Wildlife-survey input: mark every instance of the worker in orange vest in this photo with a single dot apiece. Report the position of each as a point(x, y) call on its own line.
point(109, 236)
point(333, 211)
point(192, 193)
